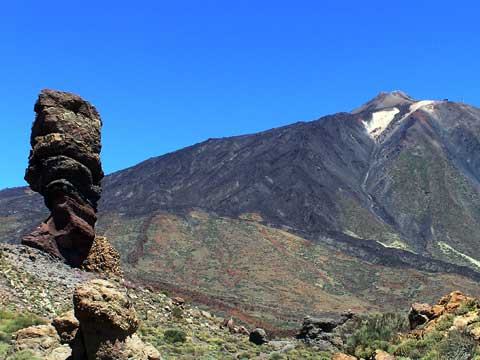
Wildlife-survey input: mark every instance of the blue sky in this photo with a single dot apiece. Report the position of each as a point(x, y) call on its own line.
point(168, 74)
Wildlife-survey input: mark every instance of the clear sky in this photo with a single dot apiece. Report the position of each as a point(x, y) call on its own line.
point(168, 74)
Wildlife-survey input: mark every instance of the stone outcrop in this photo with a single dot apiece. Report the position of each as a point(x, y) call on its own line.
point(320, 332)
point(64, 166)
point(421, 314)
point(461, 312)
point(42, 341)
point(107, 326)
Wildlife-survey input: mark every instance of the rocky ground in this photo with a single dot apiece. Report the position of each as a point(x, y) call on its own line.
point(37, 288)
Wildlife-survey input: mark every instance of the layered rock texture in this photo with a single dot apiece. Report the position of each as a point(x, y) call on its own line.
point(65, 168)
point(107, 325)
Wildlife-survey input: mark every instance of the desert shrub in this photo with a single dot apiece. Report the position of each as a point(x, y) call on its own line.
point(467, 306)
point(410, 348)
point(457, 345)
point(175, 336)
point(177, 312)
point(11, 322)
point(374, 332)
point(22, 355)
point(245, 355)
point(437, 346)
point(276, 356)
point(445, 322)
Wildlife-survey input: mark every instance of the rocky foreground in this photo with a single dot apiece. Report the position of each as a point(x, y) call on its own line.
point(51, 311)
point(41, 291)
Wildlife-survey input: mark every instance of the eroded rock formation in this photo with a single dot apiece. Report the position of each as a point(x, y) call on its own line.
point(108, 323)
point(64, 166)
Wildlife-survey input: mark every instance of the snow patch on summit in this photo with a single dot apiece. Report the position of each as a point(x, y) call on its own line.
point(379, 121)
point(426, 105)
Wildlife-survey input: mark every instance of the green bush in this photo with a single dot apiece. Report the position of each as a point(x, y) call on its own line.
point(276, 356)
point(23, 355)
point(177, 312)
point(373, 332)
point(11, 322)
point(175, 336)
point(445, 322)
point(467, 306)
point(457, 345)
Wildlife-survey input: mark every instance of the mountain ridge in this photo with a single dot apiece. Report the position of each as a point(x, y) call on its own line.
point(401, 195)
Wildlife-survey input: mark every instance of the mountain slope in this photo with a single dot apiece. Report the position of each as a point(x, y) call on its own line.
point(393, 184)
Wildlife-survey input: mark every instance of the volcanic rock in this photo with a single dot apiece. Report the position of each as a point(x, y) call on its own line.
point(108, 322)
point(43, 342)
point(64, 166)
point(258, 336)
point(419, 314)
point(382, 355)
point(320, 331)
point(67, 326)
point(342, 356)
point(103, 258)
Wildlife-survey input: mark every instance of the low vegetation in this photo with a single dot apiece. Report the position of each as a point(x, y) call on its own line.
point(10, 322)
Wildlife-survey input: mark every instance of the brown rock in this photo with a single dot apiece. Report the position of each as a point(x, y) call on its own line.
point(178, 301)
point(103, 258)
point(64, 166)
point(342, 356)
point(452, 301)
point(419, 314)
point(437, 310)
point(461, 322)
point(243, 330)
point(67, 326)
point(43, 341)
point(382, 355)
point(108, 322)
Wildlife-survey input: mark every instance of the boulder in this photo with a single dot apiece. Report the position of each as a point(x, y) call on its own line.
point(66, 326)
point(258, 336)
point(320, 331)
point(43, 342)
point(419, 314)
point(382, 355)
point(108, 322)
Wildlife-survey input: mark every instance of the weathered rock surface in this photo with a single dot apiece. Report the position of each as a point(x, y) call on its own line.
point(103, 258)
point(320, 331)
point(449, 304)
point(67, 326)
point(342, 356)
point(108, 322)
point(419, 314)
point(64, 166)
point(258, 336)
point(43, 342)
point(382, 355)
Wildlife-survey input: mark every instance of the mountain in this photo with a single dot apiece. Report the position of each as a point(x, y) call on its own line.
point(366, 209)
